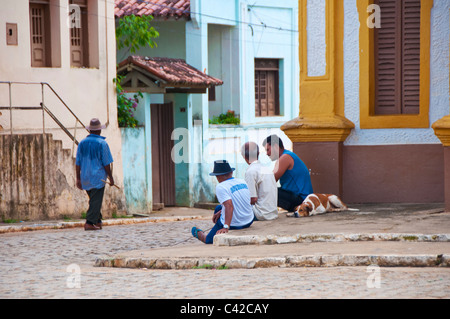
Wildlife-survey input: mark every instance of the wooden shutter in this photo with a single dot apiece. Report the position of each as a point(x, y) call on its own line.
point(266, 88)
point(39, 34)
point(78, 36)
point(257, 103)
point(397, 57)
point(411, 56)
point(387, 59)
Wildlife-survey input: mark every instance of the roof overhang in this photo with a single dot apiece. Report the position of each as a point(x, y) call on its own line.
point(163, 75)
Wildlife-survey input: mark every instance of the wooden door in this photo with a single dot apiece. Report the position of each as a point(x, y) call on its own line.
point(79, 36)
point(267, 98)
point(38, 35)
point(163, 167)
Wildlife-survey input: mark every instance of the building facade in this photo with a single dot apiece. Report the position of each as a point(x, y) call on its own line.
point(374, 99)
point(253, 49)
point(57, 65)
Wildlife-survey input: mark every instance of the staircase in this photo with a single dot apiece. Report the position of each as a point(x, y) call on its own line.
point(37, 151)
point(40, 118)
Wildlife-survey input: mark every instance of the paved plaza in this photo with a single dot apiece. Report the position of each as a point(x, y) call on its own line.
point(60, 264)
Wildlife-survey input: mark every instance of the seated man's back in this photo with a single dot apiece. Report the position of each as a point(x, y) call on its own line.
point(237, 190)
point(262, 185)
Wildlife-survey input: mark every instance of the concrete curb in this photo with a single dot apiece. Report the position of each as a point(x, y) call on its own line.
point(230, 240)
point(282, 261)
point(108, 222)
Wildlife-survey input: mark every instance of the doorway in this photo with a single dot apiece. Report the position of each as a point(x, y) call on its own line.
point(163, 167)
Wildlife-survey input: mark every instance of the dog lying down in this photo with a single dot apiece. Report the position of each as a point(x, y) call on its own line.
point(316, 204)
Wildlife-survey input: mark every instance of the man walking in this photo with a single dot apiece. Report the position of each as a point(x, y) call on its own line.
point(93, 166)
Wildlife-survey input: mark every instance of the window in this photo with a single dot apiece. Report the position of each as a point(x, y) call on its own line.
point(45, 37)
point(40, 33)
point(394, 65)
point(267, 97)
point(397, 58)
point(79, 50)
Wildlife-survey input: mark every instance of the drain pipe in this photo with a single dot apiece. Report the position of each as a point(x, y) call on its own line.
point(107, 63)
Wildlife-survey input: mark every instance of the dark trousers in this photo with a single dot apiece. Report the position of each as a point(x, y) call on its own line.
point(210, 237)
point(288, 200)
point(94, 214)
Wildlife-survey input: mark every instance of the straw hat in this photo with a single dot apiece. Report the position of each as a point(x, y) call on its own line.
point(95, 125)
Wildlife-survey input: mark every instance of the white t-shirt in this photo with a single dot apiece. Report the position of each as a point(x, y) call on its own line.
point(261, 183)
point(237, 190)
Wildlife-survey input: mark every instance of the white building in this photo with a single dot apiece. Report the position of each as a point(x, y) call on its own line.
point(60, 53)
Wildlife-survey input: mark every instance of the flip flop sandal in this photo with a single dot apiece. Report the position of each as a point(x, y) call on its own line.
point(195, 231)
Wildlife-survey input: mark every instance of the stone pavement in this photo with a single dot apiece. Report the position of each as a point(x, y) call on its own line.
point(384, 235)
point(411, 235)
point(46, 263)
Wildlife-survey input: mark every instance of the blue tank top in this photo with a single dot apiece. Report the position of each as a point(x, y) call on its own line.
point(297, 179)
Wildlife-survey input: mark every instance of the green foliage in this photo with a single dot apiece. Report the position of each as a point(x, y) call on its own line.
point(10, 221)
point(125, 105)
point(209, 266)
point(135, 32)
point(227, 118)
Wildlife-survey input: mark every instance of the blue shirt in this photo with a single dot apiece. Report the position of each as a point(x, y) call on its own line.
point(297, 179)
point(93, 155)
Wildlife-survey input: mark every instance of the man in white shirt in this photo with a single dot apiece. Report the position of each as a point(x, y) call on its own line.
point(235, 211)
point(261, 183)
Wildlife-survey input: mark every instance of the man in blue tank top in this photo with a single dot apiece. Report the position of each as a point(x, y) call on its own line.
point(292, 173)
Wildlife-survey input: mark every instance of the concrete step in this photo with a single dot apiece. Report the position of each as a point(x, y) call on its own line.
point(382, 254)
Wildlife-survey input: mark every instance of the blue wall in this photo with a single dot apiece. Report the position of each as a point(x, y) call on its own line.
point(134, 170)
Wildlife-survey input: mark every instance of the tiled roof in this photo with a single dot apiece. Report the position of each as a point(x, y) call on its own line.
point(157, 8)
point(171, 72)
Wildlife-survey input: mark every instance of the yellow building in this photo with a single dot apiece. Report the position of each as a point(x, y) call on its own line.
point(373, 124)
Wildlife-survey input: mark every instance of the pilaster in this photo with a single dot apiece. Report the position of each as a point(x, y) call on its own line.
point(442, 131)
point(321, 125)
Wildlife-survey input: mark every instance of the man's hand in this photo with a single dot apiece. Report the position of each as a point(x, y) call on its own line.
point(108, 170)
point(216, 216)
point(78, 174)
point(222, 231)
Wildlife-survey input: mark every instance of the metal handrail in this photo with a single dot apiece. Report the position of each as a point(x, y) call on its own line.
point(42, 107)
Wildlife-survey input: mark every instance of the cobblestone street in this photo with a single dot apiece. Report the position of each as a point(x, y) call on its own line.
point(39, 264)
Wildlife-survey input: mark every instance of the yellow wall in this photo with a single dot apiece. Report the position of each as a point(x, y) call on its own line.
point(321, 117)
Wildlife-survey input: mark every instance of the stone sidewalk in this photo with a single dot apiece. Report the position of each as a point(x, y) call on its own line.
point(395, 235)
point(167, 215)
point(411, 235)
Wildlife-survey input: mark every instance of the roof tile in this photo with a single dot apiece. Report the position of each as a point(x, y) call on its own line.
point(158, 8)
point(174, 72)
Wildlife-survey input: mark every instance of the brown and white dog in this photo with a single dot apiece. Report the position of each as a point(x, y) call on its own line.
point(316, 204)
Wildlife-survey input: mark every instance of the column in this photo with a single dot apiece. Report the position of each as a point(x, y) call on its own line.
point(442, 131)
point(321, 128)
